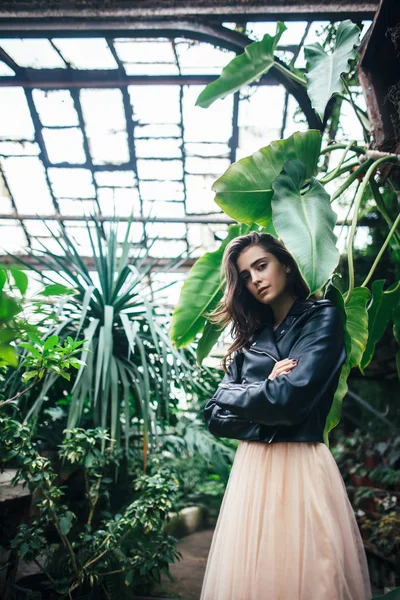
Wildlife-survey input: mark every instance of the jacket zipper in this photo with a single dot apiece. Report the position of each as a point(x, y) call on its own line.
point(229, 417)
point(273, 435)
point(238, 386)
point(263, 352)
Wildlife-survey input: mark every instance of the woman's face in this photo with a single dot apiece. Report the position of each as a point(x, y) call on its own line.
point(262, 273)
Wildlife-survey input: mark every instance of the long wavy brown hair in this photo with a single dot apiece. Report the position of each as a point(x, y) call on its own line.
point(238, 305)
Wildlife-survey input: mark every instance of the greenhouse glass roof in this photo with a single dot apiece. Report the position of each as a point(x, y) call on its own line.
point(108, 126)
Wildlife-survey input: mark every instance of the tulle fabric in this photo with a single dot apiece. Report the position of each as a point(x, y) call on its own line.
point(286, 529)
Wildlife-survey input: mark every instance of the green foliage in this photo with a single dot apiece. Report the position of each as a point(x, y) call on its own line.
point(380, 314)
point(325, 69)
point(50, 356)
point(15, 311)
point(257, 59)
point(129, 544)
point(132, 369)
point(244, 191)
point(305, 220)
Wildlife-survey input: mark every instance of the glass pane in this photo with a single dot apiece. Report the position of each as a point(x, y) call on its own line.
point(35, 53)
point(157, 130)
point(72, 206)
point(166, 230)
point(86, 53)
point(72, 183)
point(207, 150)
point(109, 148)
point(159, 169)
point(214, 166)
point(296, 120)
point(200, 197)
point(103, 110)
point(151, 69)
point(201, 57)
point(64, 145)
point(161, 190)
point(158, 148)
point(15, 118)
point(12, 237)
point(38, 228)
point(55, 107)
point(27, 181)
point(154, 50)
point(5, 70)
point(105, 125)
point(148, 109)
point(167, 249)
point(213, 124)
point(119, 201)
point(19, 149)
point(255, 131)
point(163, 209)
point(115, 178)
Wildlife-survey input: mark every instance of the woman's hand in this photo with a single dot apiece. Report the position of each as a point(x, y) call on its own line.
point(282, 367)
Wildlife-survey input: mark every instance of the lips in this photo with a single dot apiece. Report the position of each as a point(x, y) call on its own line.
point(263, 290)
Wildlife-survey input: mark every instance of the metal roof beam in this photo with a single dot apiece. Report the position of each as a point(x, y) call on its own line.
point(61, 79)
point(207, 218)
point(15, 10)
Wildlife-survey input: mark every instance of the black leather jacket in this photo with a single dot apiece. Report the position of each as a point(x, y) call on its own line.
point(293, 407)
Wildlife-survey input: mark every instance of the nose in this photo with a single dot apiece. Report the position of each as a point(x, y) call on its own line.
point(255, 278)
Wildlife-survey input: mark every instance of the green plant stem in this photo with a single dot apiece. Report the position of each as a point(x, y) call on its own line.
point(339, 171)
point(336, 170)
point(357, 149)
point(21, 393)
point(381, 206)
point(64, 538)
point(349, 211)
point(37, 563)
point(381, 251)
point(355, 174)
point(357, 203)
point(290, 74)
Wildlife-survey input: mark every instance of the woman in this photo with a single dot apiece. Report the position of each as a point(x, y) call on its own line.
point(286, 529)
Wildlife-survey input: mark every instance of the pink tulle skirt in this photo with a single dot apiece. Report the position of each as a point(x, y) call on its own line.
point(286, 529)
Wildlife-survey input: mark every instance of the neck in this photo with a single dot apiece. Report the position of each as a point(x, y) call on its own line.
point(280, 308)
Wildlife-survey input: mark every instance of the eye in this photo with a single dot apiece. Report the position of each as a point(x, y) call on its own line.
point(262, 265)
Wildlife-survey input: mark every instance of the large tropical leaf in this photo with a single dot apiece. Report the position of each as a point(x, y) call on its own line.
point(305, 223)
point(324, 69)
point(380, 313)
point(244, 191)
point(257, 59)
point(200, 293)
point(356, 325)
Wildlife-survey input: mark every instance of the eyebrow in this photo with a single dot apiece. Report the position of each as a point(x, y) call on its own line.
point(254, 263)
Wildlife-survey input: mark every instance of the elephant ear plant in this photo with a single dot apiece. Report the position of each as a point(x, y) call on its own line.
point(282, 189)
point(132, 369)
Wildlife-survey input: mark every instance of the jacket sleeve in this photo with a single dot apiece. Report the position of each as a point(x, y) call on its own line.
point(287, 399)
point(224, 423)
